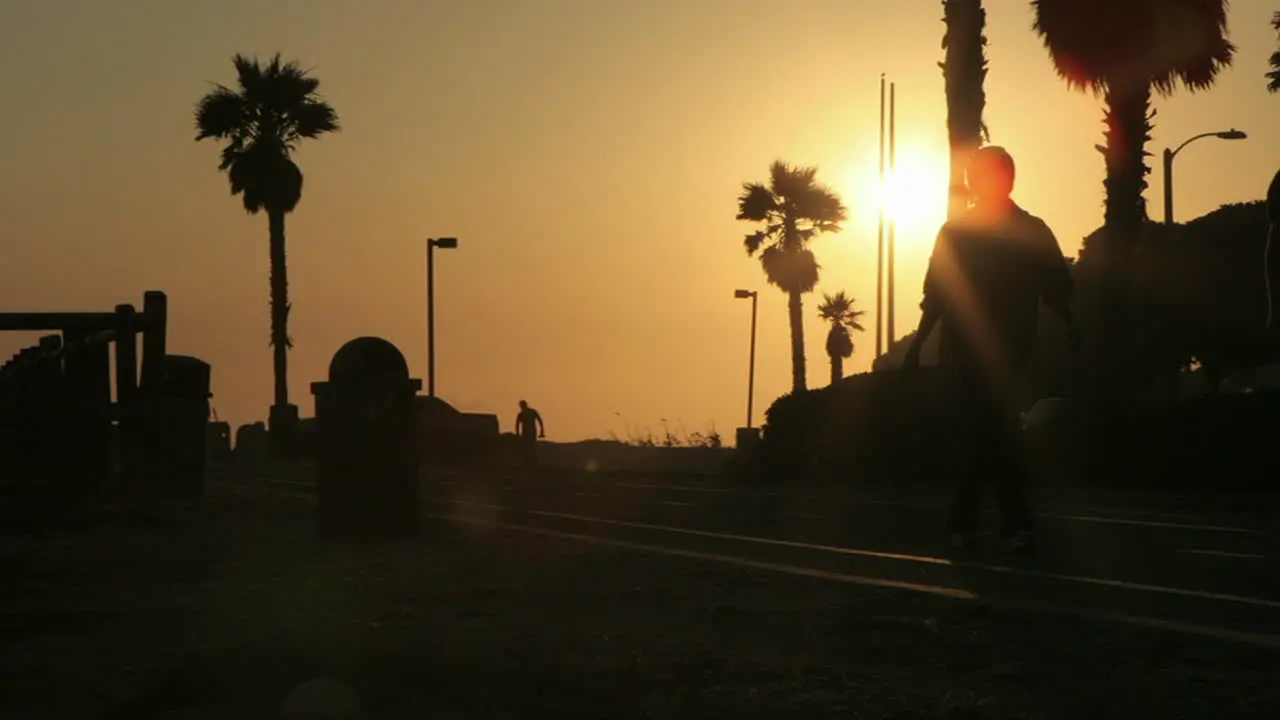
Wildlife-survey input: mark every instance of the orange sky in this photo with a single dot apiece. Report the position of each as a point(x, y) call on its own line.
point(587, 153)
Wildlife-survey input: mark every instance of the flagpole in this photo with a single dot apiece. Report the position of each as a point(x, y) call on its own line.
point(880, 237)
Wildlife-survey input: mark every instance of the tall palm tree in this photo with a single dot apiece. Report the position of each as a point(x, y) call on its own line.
point(1271, 257)
point(791, 210)
point(838, 310)
point(272, 109)
point(1273, 77)
point(1125, 50)
point(964, 71)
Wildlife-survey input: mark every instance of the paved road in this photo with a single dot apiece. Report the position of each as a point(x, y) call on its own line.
point(1163, 562)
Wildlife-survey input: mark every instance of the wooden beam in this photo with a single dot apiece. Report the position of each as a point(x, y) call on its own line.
point(73, 321)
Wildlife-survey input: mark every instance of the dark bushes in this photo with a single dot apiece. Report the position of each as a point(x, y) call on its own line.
point(878, 427)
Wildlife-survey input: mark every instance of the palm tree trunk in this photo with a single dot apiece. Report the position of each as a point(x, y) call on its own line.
point(837, 368)
point(795, 309)
point(964, 72)
point(1128, 128)
point(279, 309)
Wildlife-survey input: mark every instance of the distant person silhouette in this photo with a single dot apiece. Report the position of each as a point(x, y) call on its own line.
point(989, 271)
point(529, 427)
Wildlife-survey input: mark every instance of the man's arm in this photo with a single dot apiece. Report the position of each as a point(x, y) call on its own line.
point(931, 302)
point(1057, 286)
point(542, 429)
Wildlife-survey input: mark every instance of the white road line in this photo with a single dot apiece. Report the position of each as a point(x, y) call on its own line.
point(1093, 519)
point(921, 559)
point(858, 552)
point(1238, 636)
point(1218, 633)
point(1187, 524)
point(1223, 553)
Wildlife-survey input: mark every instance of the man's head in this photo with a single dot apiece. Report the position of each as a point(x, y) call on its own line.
point(524, 405)
point(990, 174)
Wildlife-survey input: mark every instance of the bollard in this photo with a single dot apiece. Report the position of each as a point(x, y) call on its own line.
point(366, 464)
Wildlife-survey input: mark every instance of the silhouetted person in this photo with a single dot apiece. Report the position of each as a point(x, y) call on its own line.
point(989, 271)
point(529, 427)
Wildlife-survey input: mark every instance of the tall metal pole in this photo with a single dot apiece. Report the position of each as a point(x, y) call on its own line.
point(880, 237)
point(431, 318)
point(893, 222)
point(1168, 186)
point(751, 372)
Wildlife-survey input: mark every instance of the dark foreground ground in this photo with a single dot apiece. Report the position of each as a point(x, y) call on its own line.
point(215, 610)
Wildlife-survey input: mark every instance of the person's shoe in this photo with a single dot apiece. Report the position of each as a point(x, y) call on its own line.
point(1021, 541)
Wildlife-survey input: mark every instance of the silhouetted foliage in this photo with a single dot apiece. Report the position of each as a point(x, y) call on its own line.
point(274, 108)
point(1123, 50)
point(839, 312)
point(964, 71)
point(790, 211)
point(1273, 77)
point(1198, 298)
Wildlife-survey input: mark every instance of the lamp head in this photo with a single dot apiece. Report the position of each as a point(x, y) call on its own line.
point(742, 293)
point(1232, 134)
point(446, 243)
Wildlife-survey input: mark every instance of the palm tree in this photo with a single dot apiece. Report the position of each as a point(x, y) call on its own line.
point(1124, 50)
point(791, 210)
point(262, 121)
point(1271, 258)
point(1273, 77)
point(838, 310)
point(964, 71)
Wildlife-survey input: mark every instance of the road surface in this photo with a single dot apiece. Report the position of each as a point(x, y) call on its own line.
point(1164, 562)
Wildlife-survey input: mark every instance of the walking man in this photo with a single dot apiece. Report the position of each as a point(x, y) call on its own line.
point(989, 271)
point(529, 427)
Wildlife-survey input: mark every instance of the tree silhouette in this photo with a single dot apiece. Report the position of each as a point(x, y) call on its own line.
point(262, 121)
point(1125, 50)
point(791, 210)
point(838, 310)
point(964, 71)
point(1273, 77)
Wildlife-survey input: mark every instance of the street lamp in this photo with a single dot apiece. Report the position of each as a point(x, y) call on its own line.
point(751, 372)
point(1231, 134)
point(445, 243)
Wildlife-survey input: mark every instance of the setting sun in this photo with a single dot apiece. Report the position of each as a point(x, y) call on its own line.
point(914, 195)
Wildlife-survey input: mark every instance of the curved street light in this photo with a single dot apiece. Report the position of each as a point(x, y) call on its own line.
point(1232, 134)
point(444, 243)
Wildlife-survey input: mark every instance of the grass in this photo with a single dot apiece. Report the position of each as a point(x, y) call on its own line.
point(221, 608)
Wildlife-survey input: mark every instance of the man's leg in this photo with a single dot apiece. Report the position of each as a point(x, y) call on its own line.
point(973, 451)
point(1010, 477)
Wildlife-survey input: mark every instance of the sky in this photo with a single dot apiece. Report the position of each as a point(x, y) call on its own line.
point(586, 153)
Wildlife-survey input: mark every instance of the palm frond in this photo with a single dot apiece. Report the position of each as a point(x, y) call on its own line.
point(312, 118)
point(1101, 44)
point(756, 203)
point(276, 106)
point(220, 114)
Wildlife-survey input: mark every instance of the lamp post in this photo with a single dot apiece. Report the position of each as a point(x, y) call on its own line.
point(446, 243)
point(1231, 134)
point(751, 371)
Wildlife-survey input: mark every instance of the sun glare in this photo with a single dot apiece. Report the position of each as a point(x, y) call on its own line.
point(914, 195)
